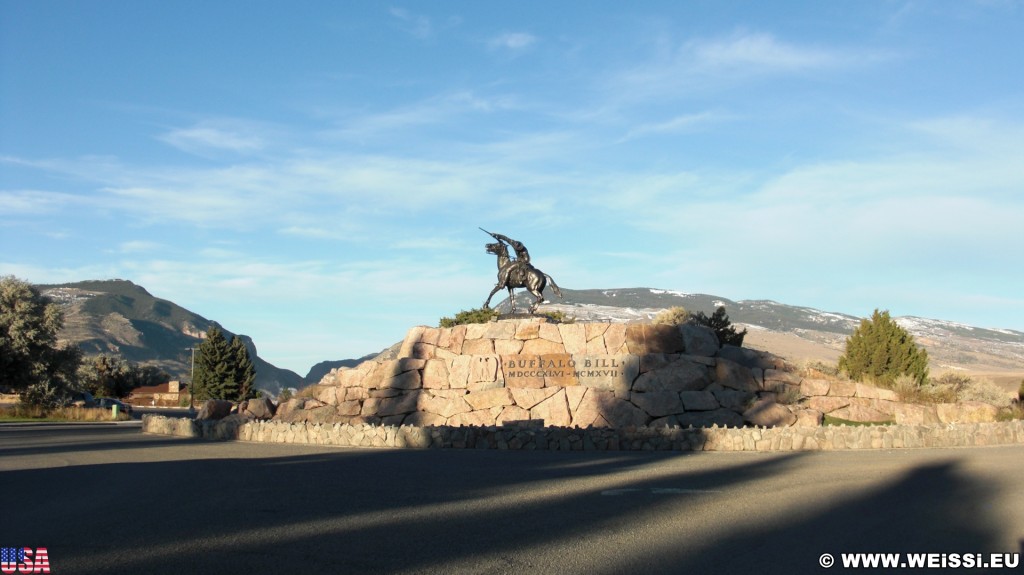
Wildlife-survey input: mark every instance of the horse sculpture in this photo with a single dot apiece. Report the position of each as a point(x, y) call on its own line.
point(515, 274)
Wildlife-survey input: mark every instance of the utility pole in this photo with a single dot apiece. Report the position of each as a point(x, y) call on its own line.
point(192, 384)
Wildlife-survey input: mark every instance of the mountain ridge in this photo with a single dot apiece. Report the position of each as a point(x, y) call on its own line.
point(951, 345)
point(122, 318)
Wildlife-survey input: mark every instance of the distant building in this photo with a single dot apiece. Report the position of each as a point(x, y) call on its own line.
point(170, 394)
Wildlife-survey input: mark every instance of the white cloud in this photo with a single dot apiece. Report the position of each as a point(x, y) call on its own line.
point(682, 123)
point(707, 65)
point(139, 246)
point(514, 41)
point(757, 51)
point(443, 109)
point(34, 202)
point(217, 135)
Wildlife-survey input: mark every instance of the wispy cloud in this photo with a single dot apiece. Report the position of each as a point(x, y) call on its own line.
point(682, 123)
point(707, 64)
point(418, 25)
point(219, 135)
point(441, 109)
point(514, 41)
point(757, 51)
point(34, 202)
point(139, 246)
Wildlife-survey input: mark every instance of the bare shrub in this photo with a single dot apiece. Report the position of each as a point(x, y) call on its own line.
point(908, 390)
point(820, 370)
point(672, 316)
point(985, 391)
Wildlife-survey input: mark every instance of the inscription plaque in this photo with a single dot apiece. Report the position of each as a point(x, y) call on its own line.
point(610, 372)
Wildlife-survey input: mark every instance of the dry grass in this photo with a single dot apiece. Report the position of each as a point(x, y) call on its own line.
point(815, 369)
point(35, 413)
point(1014, 411)
point(309, 392)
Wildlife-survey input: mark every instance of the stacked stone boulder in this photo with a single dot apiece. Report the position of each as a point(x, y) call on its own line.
point(859, 402)
point(594, 374)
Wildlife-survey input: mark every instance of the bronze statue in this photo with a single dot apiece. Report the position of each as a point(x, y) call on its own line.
point(517, 273)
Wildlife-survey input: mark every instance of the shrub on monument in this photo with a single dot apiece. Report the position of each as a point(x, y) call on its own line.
point(880, 351)
point(672, 316)
point(478, 315)
point(719, 323)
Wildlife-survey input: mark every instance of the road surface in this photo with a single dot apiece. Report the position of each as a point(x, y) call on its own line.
point(108, 499)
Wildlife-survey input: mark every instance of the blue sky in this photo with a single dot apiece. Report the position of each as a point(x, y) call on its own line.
point(312, 174)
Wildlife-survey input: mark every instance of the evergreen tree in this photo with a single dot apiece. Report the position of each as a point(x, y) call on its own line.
point(31, 362)
point(214, 366)
point(880, 351)
point(110, 376)
point(223, 368)
point(719, 323)
point(245, 373)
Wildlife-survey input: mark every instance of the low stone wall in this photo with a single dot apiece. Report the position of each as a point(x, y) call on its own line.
point(518, 437)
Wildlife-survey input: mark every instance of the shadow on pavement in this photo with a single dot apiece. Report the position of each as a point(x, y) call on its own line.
point(435, 511)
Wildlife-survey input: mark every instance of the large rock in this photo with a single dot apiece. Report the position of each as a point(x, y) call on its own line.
point(258, 408)
point(680, 375)
point(808, 418)
point(645, 338)
point(767, 413)
point(871, 392)
point(698, 400)
point(553, 410)
point(720, 417)
point(966, 412)
point(813, 387)
point(735, 400)
point(733, 375)
point(699, 340)
point(214, 409)
point(620, 413)
point(657, 403)
point(592, 407)
point(746, 357)
point(862, 413)
point(913, 414)
point(828, 404)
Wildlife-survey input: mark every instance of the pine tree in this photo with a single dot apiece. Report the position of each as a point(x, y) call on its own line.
point(880, 351)
point(223, 368)
point(719, 323)
point(245, 373)
point(214, 366)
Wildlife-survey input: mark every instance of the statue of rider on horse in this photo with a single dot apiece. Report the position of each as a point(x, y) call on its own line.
point(517, 273)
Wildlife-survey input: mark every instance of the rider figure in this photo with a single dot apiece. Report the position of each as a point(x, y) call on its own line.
point(522, 261)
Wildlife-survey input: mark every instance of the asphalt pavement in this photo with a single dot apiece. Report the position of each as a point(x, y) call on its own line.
point(109, 499)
